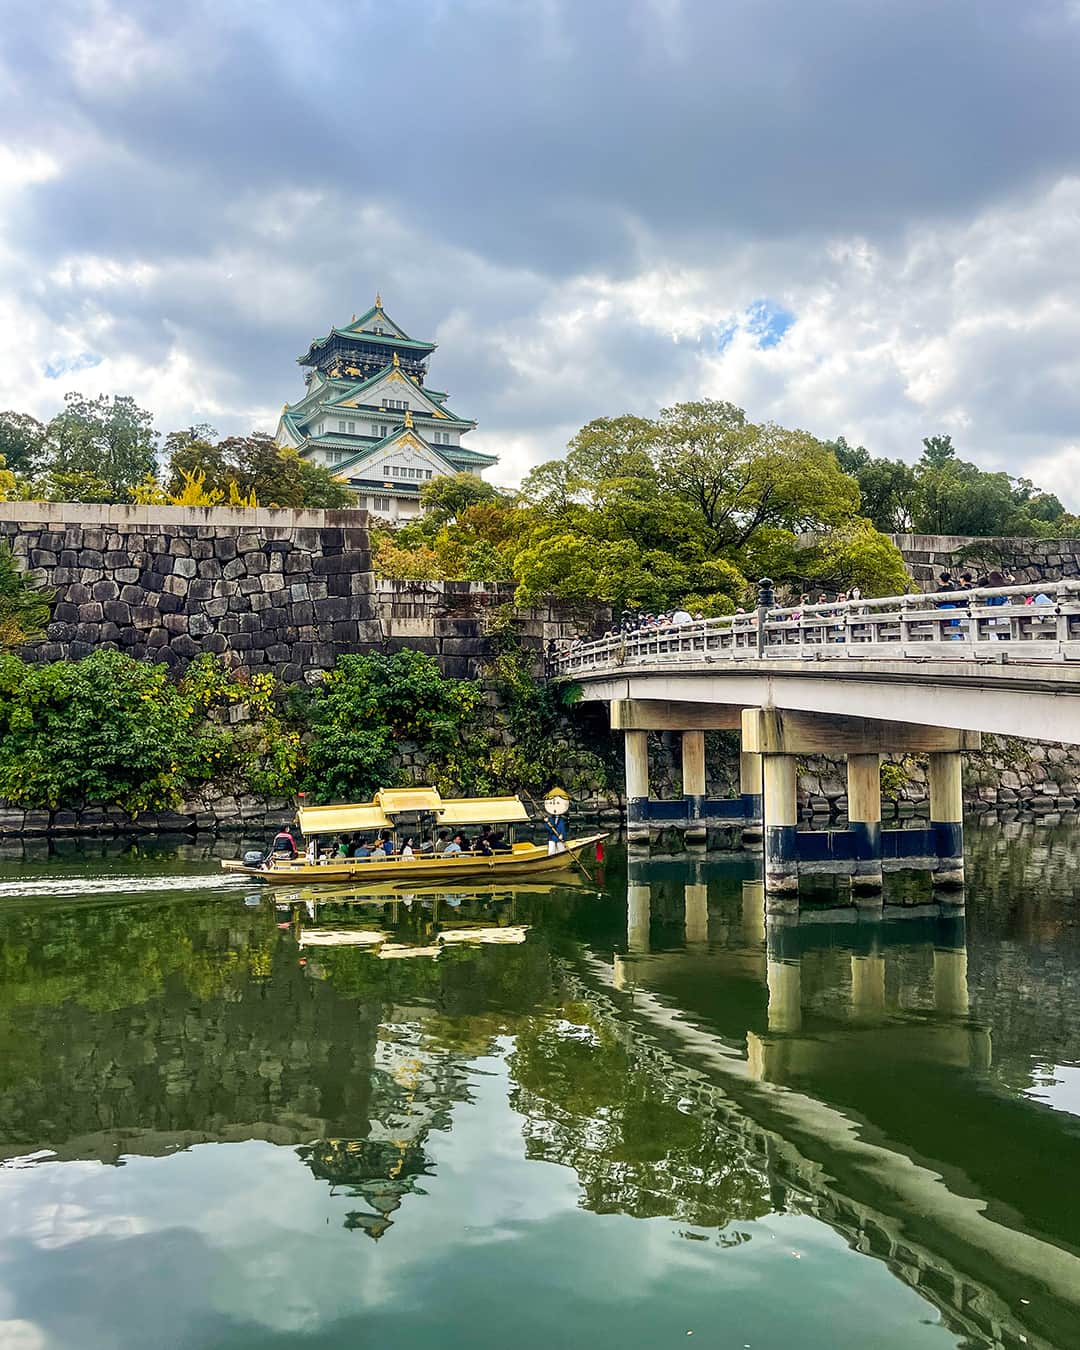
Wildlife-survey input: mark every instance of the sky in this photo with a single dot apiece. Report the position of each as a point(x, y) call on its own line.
point(859, 217)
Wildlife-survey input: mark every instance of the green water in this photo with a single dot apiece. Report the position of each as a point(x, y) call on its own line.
point(643, 1119)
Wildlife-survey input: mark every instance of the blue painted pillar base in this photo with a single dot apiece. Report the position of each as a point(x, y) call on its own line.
point(637, 822)
point(694, 834)
point(781, 861)
point(948, 872)
point(866, 876)
point(751, 810)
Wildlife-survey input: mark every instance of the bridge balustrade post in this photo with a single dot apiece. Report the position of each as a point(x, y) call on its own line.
point(693, 784)
point(864, 818)
point(947, 817)
point(696, 913)
point(636, 748)
point(780, 818)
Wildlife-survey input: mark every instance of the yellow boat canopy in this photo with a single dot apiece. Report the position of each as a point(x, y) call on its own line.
point(483, 811)
point(396, 801)
point(343, 819)
point(377, 815)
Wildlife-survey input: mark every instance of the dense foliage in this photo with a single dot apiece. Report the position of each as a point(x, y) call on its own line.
point(108, 730)
point(684, 509)
point(942, 494)
point(106, 450)
point(24, 603)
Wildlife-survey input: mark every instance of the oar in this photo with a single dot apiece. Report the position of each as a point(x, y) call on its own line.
point(585, 871)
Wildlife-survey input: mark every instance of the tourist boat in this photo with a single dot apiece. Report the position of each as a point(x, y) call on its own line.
point(421, 812)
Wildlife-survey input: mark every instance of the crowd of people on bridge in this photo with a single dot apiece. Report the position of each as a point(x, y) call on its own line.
point(822, 606)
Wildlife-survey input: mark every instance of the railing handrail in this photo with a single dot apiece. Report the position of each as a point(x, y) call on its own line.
point(965, 623)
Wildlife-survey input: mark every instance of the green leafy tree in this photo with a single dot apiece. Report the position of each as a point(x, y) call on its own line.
point(448, 497)
point(365, 705)
point(252, 467)
point(99, 449)
point(22, 442)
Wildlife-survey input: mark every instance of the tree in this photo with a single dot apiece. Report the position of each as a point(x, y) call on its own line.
point(22, 442)
point(447, 497)
point(99, 449)
point(250, 469)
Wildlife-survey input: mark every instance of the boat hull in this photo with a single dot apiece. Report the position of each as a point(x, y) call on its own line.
point(525, 860)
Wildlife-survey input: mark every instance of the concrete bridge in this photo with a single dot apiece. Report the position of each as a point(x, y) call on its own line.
point(903, 674)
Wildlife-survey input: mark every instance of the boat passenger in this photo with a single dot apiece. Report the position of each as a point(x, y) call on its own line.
point(483, 846)
point(343, 846)
point(443, 841)
point(453, 848)
point(354, 844)
point(361, 850)
point(386, 843)
point(407, 848)
point(499, 844)
point(284, 845)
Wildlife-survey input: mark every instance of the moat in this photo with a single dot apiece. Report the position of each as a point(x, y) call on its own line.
point(629, 1112)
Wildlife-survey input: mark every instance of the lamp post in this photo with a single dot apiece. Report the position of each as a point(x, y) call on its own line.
point(766, 600)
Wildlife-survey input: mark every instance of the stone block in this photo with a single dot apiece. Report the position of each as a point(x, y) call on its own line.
point(176, 586)
point(185, 567)
point(234, 569)
point(272, 581)
point(199, 625)
point(457, 628)
point(179, 547)
point(297, 563)
point(225, 549)
point(175, 623)
point(91, 612)
point(78, 594)
point(183, 646)
point(162, 565)
point(260, 603)
point(215, 643)
point(151, 581)
point(91, 557)
point(144, 616)
point(278, 652)
point(105, 590)
point(202, 549)
point(131, 595)
point(42, 557)
point(303, 613)
point(249, 542)
point(248, 585)
point(86, 635)
point(61, 631)
point(210, 568)
point(464, 647)
point(200, 589)
point(257, 564)
point(116, 611)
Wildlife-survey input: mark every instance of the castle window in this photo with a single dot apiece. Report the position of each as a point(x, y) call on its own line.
point(352, 428)
point(341, 425)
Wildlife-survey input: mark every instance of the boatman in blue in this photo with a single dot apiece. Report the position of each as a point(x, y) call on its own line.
point(556, 804)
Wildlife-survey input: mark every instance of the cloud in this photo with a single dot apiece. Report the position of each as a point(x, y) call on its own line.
point(858, 219)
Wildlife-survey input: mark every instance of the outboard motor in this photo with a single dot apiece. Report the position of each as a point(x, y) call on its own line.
point(253, 858)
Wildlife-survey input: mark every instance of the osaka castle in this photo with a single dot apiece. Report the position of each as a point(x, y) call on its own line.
point(369, 417)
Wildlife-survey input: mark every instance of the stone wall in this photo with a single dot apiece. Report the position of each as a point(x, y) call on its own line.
point(282, 590)
point(1030, 560)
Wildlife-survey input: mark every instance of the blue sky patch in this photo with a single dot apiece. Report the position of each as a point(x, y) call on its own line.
point(768, 322)
point(67, 365)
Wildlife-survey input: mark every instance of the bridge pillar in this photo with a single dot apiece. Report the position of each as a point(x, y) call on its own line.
point(780, 817)
point(638, 915)
point(693, 776)
point(947, 817)
point(864, 818)
point(784, 980)
point(868, 986)
point(636, 747)
point(696, 913)
point(950, 981)
point(750, 792)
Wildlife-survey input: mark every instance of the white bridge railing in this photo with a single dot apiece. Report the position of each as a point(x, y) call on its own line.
point(974, 626)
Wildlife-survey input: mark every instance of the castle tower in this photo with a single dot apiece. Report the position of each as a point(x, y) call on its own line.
point(368, 416)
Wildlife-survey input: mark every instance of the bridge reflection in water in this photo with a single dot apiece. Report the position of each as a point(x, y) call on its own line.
point(686, 1056)
point(848, 1047)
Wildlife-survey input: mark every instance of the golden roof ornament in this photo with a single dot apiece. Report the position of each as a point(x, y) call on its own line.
point(408, 418)
point(397, 359)
point(378, 300)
